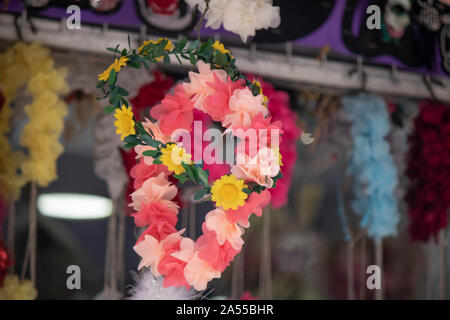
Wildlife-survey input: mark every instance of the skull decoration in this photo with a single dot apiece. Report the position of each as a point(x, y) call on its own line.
point(397, 17)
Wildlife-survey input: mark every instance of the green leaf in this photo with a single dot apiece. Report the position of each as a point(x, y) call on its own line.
point(189, 171)
point(131, 139)
point(124, 52)
point(122, 91)
point(109, 109)
point(134, 64)
point(247, 190)
point(192, 59)
point(180, 178)
point(220, 58)
point(200, 193)
point(112, 77)
point(128, 145)
point(178, 58)
point(124, 101)
point(166, 59)
point(113, 49)
point(150, 141)
point(100, 84)
point(202, 176)
point(193, 45)
point(157, 161)
point(181, 44)
point(151, 153)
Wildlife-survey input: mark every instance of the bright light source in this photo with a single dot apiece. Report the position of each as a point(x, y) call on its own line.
point(74, 206)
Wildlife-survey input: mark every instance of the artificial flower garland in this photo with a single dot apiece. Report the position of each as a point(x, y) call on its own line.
point(428, 169)
point(237, 16)
point(229, 98)
point(31, 64)
point(372, 166)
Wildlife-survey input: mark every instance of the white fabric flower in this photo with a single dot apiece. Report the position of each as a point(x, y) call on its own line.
point(242, 17)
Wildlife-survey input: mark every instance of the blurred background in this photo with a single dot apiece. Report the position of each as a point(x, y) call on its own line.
point(321, 52)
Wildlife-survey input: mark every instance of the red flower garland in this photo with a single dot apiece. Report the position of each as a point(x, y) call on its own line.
point(5, 262)
point(428, 196)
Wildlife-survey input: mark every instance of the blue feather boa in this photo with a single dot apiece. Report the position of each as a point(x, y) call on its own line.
point(372, 166)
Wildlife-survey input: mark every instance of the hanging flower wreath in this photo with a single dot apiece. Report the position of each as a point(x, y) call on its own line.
point(428, 169)
point(31, 65)
point(229, 98)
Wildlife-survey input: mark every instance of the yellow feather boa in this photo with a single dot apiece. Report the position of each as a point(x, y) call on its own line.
point(31, 65)
point(14, 289)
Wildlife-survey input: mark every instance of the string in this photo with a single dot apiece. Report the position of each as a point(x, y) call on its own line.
point(11, 232)
point(121, 246)
point(192, 229)
point(113, 246)
point(379, 263)
point(442, 245)
point(362, 269)
point(265, 271)
point(31, 248)
point(237, 277)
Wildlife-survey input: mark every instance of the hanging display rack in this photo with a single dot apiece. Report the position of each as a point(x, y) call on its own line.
point(295, 70)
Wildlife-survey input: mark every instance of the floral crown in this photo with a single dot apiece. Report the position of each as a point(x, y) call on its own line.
point(231, 100)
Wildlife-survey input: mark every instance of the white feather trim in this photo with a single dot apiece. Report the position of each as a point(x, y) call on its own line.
point(148, 287)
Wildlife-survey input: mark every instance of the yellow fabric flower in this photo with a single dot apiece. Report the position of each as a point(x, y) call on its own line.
point(14, 289)
point(280, 158)
point(172, 157)
point(116, 65)
point(227, 192)
point(220, 47)
point(258, 84)
point(169, 46)
point(124, 122)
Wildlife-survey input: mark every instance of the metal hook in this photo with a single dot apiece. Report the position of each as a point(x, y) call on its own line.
point(105, 27)
point(394, 73)
point(289, 51)
point(253, 51)
point(429, 86)
point(143, 33)
point(18, 28)
point(359, 70)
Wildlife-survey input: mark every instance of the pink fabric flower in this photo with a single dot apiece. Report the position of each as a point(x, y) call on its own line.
point(216, 220)
point(265, 131)
point(141, 172)
point(260, 168)
point(198, 89)
point(216, 103)
point(159, 230)
point(174, 112)
point(199, 272)
point(154, 189)
point(171, 267)
point(254, 204)
point(244, 106)
point(152, 251)
point(209, 249)
point(156, 211)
